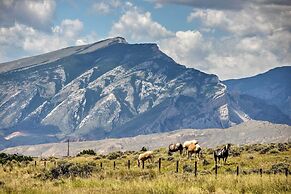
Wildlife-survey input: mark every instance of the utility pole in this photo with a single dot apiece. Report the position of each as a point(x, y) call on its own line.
point(68, 154)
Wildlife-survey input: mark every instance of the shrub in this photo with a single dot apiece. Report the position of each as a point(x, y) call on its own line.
point(4, 158)
point(282, 147)
point(66, 170)
point(188, 168)
point(143, 149)
point(279, 167)
point(265, 150)
point(86, 152)
point(205, 162)
point(114, 155)
point(274, 151)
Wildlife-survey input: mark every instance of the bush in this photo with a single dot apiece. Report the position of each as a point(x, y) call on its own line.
point(279, 167)
point(282, 147)
point(144, 149)
point(205, 162)
point(188, 168)
point(66, 170)
point(4, 158)
point(274, 151)
point(114, 155)
point(86, 152)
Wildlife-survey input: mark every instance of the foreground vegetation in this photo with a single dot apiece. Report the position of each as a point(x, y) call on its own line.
point(83, 174)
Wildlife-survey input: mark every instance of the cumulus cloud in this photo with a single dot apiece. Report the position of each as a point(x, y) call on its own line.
point(186, 47)
point(26, 40)
point(243, 38)
point(105, 7)
point(252, 40)
point(38, 14)
point(136, 25)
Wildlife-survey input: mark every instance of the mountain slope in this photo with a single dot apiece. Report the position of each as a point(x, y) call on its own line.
point(267, 91)
point(106, 89)
point(250, 132)
point(111, 89)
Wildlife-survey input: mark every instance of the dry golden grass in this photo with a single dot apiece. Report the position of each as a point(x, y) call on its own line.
point(20, 178)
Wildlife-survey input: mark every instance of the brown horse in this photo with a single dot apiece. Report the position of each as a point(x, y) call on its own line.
point(145, 156)
point(175, 147)
point(194, 149)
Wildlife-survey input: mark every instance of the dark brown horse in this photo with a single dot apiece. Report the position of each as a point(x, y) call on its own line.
point(175, 147)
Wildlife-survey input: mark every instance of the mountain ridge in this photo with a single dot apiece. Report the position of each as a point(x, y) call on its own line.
point(109, 89)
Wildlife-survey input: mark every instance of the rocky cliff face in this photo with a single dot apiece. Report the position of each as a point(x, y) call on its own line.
point(107, 89)
point(266, 96)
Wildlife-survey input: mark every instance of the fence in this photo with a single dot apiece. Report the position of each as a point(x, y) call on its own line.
point(128, 165)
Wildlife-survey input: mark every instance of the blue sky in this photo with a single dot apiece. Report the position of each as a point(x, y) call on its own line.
point(230, 38)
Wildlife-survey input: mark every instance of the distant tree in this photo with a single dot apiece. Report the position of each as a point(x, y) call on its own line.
point(87, 152)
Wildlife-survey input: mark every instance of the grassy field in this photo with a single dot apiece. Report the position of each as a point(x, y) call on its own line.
point(83, 174)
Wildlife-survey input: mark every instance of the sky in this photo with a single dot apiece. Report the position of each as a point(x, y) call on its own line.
point(229, 38)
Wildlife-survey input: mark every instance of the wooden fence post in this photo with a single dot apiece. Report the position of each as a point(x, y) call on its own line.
point(286, 172)
point(177, 166)
point(44, 163)
point(195, 169)
point(114, 165)
point(101, 165)
point(237, 171)
point(142, 164)
point(215, 170)
point(261, 172)
point(128, 164)
point(34, 163)
point(160, 164)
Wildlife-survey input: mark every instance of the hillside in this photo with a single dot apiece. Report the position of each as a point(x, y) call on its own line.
point(264, 94)
point(85, 174)
point(107, 89)
point(112, 89)
point(250, 132)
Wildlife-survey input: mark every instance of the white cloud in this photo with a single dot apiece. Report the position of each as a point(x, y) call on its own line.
point(186, 47)
point(38, 14)
point(68, 28)
point(248, 46)
point(29, 41)
point(139, 26)
point(105, 7)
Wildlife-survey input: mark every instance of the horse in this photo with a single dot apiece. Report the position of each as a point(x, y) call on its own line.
point(187, 143)
point(221, 153)
point(175, 147)
point(194, 149)
point(145, 156)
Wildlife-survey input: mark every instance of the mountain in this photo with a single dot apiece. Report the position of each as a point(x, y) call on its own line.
point(265, 94)
point(250, 132)
point(111, 89)
point(106, 89)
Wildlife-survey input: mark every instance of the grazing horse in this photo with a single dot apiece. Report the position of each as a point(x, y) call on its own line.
point(221, 153)
point(194, 149)
point(145, 156)
point(186, 144)
point(175, 147)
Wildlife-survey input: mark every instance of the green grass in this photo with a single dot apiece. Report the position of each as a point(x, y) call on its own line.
point(16, 177)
